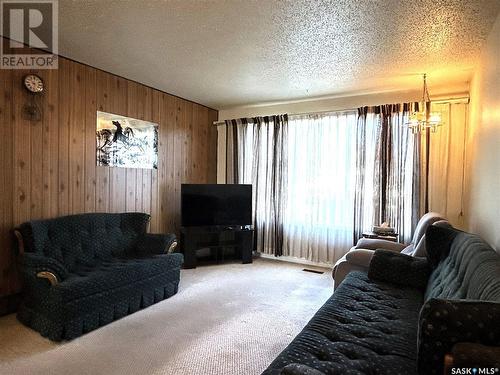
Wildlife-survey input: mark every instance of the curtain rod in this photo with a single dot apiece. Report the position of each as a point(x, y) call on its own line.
point(217, 123)
point(452, 100)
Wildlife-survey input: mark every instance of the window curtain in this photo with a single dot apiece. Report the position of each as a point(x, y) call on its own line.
point(318, 219)
point(447, 162)
point(388, 170)
point(302, 170)
point(256, 154)
point(320, 180)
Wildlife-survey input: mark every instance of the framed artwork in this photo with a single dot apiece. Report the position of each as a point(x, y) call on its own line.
point(126, 142)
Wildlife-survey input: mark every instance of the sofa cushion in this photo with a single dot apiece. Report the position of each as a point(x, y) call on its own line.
point(399, 269)
point(467, 268)
point(366, 327)
point(84, 239)
point(86, 281)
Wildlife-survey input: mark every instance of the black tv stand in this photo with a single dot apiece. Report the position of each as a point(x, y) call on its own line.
point(217, 239)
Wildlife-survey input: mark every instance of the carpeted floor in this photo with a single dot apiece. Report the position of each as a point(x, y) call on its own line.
point(226, 319)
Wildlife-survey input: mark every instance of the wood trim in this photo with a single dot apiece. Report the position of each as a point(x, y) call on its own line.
point(52, 278)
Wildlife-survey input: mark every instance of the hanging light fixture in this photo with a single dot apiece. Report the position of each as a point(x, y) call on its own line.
point(422, 120)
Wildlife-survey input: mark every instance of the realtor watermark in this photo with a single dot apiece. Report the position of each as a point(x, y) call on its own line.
point(30, 31)
point(475, 371)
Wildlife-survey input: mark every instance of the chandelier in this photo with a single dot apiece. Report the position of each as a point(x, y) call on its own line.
point(422, 120)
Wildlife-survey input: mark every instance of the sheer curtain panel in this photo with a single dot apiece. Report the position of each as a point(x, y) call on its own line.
point(318, 217)
point(447, 162)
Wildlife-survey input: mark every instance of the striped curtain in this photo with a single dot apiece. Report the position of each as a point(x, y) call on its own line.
point(388, 170)
point(321, 180)
point(256, 154)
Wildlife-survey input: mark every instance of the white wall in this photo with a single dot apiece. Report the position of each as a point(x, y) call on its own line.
point(483, 152)
point(336, 103)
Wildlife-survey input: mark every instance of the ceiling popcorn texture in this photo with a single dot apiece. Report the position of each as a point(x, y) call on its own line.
point(227, 53)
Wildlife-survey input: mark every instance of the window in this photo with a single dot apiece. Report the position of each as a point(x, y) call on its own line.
point(318, 216)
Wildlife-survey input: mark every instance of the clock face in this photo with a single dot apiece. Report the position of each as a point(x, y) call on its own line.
point(33, 83)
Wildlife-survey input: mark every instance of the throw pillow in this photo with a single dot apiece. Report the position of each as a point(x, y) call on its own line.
point(420, 250)
point(437, 243)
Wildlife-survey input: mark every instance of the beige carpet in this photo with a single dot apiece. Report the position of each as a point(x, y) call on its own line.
point(226, 319)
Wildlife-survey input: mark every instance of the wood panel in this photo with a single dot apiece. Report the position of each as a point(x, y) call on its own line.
point(76, 123)
point(155, 186)
point(66, 72)
point(49, 167)
point(90, 142)
point(22, 151)
point(50, 143)
point(7, 273)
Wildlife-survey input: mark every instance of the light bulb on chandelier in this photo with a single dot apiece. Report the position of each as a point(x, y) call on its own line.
point(422, 120)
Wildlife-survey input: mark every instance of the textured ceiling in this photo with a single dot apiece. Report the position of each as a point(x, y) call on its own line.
point(226, 53)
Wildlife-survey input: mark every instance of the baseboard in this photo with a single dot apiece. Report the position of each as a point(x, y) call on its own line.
point(289, 259)
point(9, 304)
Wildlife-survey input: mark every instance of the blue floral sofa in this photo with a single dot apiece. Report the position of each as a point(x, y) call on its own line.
point(81, 272)
point(408, 315)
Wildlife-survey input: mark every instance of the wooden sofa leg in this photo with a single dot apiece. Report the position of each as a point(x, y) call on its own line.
point(448, 364)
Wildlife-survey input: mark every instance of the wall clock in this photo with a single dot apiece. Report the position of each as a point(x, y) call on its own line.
point(31, 110)
point(33, 83)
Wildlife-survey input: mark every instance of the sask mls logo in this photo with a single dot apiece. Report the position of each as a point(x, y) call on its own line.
point(29, 30)
point(475, 370)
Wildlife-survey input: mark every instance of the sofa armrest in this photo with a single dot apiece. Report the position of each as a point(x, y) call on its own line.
point(299, 369)
point(399, 269)
point(342, 268)
point(150, 243)
point(43, 267)
point(444, 323)
point(374, 244)
point(360, 257)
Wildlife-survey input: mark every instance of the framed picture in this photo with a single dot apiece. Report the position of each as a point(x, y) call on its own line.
point(126, 142)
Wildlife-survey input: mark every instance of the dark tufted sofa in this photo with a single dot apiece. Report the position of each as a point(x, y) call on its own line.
point(84, 271)
point(406, 315)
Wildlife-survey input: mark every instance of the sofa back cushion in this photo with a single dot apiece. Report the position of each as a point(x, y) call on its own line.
point(464, 266)
point(84, 239)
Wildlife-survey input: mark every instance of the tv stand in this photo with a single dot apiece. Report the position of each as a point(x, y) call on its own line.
point(216, 238)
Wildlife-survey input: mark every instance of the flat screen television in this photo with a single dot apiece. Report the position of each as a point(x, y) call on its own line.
point(216, 205)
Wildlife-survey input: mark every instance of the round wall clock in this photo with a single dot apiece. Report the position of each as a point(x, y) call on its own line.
point(33, 83)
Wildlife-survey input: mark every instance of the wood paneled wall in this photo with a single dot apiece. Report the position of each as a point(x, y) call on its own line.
point(48, 167)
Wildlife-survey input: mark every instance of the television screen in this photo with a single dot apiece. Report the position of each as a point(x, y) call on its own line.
point(216, 204)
